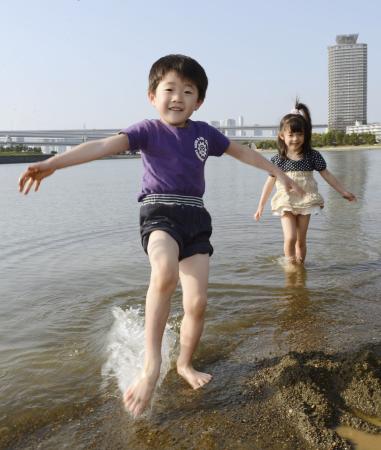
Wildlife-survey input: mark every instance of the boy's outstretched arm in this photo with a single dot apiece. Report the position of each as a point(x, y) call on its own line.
point(88, 151)
point(266, 191)
point(335, 183)
point(253, 158)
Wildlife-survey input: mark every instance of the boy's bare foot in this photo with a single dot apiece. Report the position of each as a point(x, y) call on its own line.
point(138, 396)
point(193, 377)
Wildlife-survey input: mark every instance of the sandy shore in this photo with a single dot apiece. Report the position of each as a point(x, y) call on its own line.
point(285, 403)
point(291, 402)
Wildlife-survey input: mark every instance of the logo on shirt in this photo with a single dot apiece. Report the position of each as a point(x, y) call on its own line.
point(201, 148)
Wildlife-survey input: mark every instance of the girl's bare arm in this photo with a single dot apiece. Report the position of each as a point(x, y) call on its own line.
point(266, 191)
point(335, 183)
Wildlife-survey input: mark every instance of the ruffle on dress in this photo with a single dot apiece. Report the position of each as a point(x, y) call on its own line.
point(310, 203)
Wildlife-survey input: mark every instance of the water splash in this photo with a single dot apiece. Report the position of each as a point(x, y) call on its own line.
point(284, 262)
point(288, 266)
point(125, 348)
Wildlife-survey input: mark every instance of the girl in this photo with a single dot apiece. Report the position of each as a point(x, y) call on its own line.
point(298, 160)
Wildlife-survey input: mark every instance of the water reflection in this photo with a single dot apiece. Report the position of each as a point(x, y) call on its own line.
point(343, 218)
point(300, 326)
point(295, 277)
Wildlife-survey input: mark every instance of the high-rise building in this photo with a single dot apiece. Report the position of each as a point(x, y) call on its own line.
point(241, 133)
point(347, 73)
point(230, 123)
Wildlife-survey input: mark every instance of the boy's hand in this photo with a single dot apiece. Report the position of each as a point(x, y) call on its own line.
point(290, 185)
point(258, 213)
point(349, 196)
point(33, 175)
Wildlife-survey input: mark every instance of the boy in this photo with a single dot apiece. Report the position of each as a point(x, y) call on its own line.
point(175, 227)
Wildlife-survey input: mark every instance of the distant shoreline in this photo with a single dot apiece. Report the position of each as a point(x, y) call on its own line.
point(352, 147)
point(338, 148)
point(16, 159)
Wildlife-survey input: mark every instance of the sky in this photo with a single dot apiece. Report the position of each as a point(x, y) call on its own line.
point(84, 63)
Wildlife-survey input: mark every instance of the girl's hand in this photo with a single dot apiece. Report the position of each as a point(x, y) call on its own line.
point(258, 213)
point(349, 196)
point(33, 175)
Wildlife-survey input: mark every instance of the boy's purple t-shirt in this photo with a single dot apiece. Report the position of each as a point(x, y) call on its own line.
point(174, 158)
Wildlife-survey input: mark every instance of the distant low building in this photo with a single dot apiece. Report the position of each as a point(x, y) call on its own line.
point(215, 123)
point(374, 128)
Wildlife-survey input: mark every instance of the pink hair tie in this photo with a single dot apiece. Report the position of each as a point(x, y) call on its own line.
point(297, 112)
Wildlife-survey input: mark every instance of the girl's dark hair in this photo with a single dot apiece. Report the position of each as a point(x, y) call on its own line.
point(298, 122)
point(186, 67)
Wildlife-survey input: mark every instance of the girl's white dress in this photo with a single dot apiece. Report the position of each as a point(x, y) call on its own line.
point(301, 171)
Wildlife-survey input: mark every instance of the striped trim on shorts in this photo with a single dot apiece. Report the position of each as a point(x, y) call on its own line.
point(173, 199)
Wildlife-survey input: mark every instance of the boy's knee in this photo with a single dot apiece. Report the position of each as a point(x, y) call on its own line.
point(196, 306)
point(164, 278)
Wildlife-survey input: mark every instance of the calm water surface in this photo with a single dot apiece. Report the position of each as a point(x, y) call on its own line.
point(74, 277)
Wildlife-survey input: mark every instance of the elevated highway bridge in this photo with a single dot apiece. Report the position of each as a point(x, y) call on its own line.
point(69, 138)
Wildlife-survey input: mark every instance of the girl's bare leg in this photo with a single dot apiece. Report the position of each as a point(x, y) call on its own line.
point(163, 254)
point(288, 221)
point(302, 222)
point(194, 273)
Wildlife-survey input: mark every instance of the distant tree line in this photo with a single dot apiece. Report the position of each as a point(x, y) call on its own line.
point(19, 148)
point(332, 138)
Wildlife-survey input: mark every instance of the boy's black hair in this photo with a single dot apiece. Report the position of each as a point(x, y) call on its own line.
point(186, 67)
point(296, 123)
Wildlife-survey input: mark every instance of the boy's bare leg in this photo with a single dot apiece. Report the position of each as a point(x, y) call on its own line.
point(302, 222)
point(194, 273)
point(163, 254)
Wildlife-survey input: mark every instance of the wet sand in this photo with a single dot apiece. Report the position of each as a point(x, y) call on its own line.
point(291, 402)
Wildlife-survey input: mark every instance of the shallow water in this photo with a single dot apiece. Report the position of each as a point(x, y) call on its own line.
point(361, 440)
point(70, 257)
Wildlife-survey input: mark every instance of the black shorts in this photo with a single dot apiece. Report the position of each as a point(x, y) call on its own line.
point(190, 227)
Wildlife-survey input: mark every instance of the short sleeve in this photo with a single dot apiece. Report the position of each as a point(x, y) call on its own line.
point(273, 160)
point(218, 142)
point(319, 161)
point(137, 135)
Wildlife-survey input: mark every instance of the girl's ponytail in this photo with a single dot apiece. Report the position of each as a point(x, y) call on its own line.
point(305, 112)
